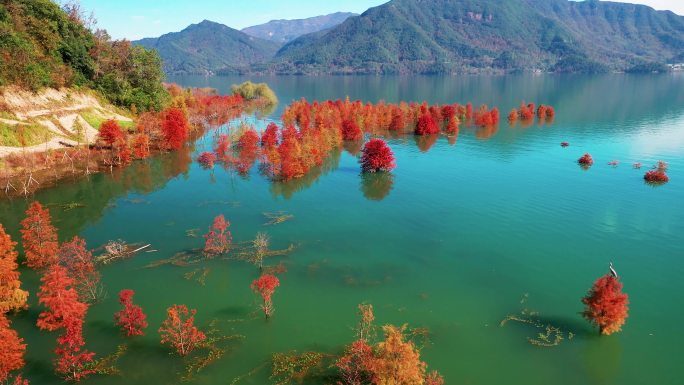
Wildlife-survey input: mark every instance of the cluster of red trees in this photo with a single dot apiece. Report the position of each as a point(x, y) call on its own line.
point(69, 283)
point(167, 130)
point(658, 175)
point(12, 298)
point(191, 110)
point(527, 112)
point(394, 360)
point(311, 131)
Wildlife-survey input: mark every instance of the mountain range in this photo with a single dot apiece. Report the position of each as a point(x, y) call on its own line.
point(284, 31)
point(441, 36)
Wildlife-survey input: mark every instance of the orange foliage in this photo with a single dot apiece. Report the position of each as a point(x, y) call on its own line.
point(178, 330)
point(12, 350)
point(174, 126)
point(141, 146)
point(606, 305)
point(12, 298)
point(80, 265)
point(57, 293)
point(39, 237)
point(397, 362)
point(270, 136)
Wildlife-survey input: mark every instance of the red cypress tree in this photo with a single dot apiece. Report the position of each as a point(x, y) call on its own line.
point(290, 152)
point(175, 128)
point(178, 330)
point(141, 146)
point(249, 140)
point(469, 111)
point(398, 121)
point(218, 239)
point(206, 159)
point(606, 305)
point(586, 160)
point(111, 133)
point(513, 116)
point(452, 126)
point(80, 265)
point(269, 138)
point(265, 286)
point(12, 350)
point(377, 156)
point(12, 298)
point(541, 111)
point(397, 361)
point(39, 237)
point(351, 130)
point(72, 359)
point(434, 378)
point(356, 364)
point(448, 112)
point(426, 125)
point(61, 299)
point(131, 318)
point(550, 112)
point(222, 146)
point(656, 177)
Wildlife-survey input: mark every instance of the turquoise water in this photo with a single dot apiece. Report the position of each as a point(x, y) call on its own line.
point(451, 242)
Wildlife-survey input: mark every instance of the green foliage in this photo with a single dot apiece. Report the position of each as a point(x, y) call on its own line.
point(41, 45)
point(32, 134)
point(453, 36)
point(209, 47)
point(283, 31)
point(649, 68)
point(254, 91)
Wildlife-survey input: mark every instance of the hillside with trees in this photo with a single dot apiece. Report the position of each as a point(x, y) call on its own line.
point(456, 36)
point(209, 47)
point(43, 45)
point(284, 31)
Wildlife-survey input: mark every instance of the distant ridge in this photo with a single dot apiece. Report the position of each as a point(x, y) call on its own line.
point(209, 47)
point(284, 31)
point(455, 36)
point(440, 37)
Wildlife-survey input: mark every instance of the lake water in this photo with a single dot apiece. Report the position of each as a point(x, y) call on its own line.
point(451, 242)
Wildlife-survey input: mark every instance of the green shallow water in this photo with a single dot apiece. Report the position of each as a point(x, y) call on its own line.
point(463, 231)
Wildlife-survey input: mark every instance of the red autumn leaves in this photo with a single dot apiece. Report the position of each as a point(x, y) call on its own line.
point(12, 298)
point(131, 318)
point(265, 286)
point(527, 112)
point(179, 331)
point(377, 156)
point(606, 305)
point(217, 241)
point(393, 360)
point(658, 174)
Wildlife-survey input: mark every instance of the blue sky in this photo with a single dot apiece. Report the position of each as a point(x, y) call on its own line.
point(135, 19)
